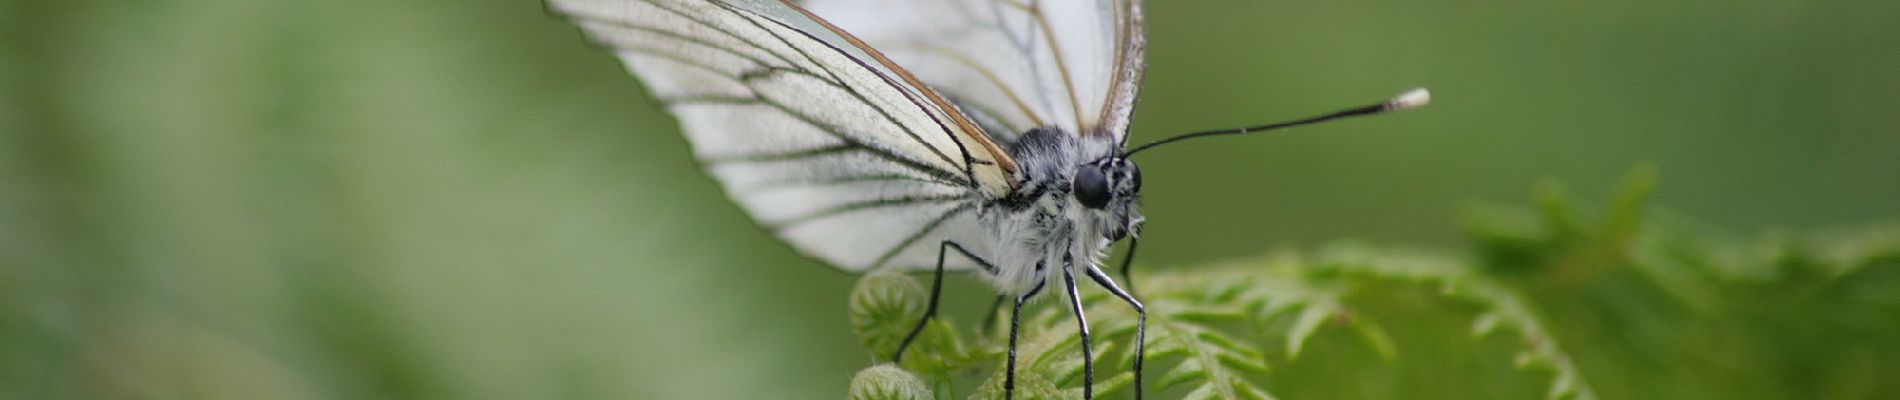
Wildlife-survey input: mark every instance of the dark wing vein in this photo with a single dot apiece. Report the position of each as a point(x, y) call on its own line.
point(866, 205)
point(887, 154)
point(988, 75)
point(837, 180)
point(791, 155)
point(709, 26)
point(1062, 67)
point(882, 153)
point(861, 98)
point(1025, 47)
point(675, 36)
point(919, 235)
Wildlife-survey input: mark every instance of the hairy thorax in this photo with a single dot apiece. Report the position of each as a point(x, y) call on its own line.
point(1041, 228)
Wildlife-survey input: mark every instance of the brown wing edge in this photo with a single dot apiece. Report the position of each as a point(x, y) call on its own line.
point(972, 131)
point(1130, 63)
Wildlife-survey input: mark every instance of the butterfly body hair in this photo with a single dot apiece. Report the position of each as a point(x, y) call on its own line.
point(1036, 225)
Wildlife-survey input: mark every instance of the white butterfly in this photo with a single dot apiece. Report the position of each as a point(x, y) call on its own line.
point(888, 133)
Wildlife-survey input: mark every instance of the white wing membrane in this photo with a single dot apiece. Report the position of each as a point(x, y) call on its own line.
point(829, 152)
point(1072, 64)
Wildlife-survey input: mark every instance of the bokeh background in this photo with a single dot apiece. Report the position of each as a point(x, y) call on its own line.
point(460, 199)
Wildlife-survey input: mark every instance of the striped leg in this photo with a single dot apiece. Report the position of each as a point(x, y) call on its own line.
point(1015, 324)
point(1141, 323)
point(936, 289)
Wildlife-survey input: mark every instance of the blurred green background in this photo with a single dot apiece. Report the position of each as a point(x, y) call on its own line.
point(460, 199)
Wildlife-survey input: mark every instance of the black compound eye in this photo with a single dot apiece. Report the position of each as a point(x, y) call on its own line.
point(1091, 187)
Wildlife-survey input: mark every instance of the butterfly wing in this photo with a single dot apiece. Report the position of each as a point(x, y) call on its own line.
point(839, 156)
point(1016, 64)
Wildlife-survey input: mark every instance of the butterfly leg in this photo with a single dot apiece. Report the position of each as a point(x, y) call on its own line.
point(1128, 260)
point(989, 319)
point(1141, 321)
point(1082, 324)
point(1015, 322)
point(936, 288)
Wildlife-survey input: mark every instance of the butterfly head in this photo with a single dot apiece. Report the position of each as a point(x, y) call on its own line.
point(1109, 186)
point(1081, 179)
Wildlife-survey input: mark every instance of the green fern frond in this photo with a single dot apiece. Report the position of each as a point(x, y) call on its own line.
point(1512, 319)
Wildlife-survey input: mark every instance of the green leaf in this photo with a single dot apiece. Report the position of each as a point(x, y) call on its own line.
point(1551, 303)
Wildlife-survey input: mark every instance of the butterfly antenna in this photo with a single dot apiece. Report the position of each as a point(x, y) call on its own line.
point(1411, 99)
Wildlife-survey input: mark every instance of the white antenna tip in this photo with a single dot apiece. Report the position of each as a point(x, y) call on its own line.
point(1411, 99)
